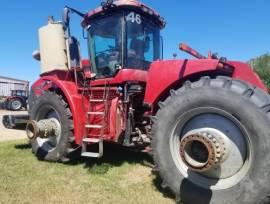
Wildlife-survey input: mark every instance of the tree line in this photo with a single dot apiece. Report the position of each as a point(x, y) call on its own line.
point(261, 65)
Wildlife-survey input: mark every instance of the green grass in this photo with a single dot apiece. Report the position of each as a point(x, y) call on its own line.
point(120, 176)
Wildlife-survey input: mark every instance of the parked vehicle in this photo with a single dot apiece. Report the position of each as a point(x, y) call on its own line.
point(17, 100)
point(204, 120)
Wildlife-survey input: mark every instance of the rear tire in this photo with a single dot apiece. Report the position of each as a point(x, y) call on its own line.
point(246, 108)
point(63, 148)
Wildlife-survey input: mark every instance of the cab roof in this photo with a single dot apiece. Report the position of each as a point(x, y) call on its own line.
point(120, 5)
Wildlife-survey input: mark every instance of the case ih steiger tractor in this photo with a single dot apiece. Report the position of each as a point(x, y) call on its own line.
point(205, 121)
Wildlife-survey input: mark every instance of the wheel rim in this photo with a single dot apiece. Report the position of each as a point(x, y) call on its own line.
point(16, 105)
point(50, 143)
point(230, 167)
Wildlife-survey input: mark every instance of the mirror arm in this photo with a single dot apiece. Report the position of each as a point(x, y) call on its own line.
point(76, 11)
point(66, 18)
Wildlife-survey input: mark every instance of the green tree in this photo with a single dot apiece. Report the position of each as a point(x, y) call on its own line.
point(262, 66)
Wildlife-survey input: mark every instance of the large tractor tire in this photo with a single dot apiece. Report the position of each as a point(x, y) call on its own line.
point(55, 149)
point(211, 142)
point(15, 104)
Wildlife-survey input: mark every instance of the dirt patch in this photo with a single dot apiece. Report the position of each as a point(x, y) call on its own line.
point(9, 134)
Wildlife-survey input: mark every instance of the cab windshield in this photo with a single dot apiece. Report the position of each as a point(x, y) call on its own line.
point(142, 42)
point(105, 45)
point(124, 40)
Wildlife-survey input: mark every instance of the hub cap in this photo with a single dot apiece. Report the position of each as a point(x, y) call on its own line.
point(16, 105)
point(50, 142)
point(211, 148)
point(203, 149)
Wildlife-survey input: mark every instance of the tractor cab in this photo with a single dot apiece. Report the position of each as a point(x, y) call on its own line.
point(21, 93)
point(123, 35)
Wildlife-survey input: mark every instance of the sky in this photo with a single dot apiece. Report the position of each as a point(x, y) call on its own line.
point(236, 29)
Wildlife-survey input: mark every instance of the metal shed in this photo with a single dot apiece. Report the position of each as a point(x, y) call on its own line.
point(7, 84)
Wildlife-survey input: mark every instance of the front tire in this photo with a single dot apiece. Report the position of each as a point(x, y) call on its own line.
point(236, 111)
point(63, 148)
point(15, 104)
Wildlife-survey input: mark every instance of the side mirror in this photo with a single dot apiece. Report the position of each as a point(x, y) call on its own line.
point(74, 52)
point(66, 18)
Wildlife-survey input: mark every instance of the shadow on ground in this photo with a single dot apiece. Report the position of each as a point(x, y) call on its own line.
point(23, 146)
point(114, 156)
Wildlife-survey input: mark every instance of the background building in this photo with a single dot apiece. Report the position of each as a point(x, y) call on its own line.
point(7, 84)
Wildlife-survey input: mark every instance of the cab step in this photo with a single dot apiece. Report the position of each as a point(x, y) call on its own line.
point(94, 126)
point(91, 154)
point(97, 100)
point(95, 113)
point(89, 141)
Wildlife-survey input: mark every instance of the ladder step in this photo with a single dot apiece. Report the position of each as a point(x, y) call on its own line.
point(97, 100)
point(94, 136)
point(91, 154)
point(94, 126)
point(91, 140)
point(95, 113)
point(98, 154)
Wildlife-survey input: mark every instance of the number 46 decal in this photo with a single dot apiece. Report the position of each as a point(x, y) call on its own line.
point(134, 18)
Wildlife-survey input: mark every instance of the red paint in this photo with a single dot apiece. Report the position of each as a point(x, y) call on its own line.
point(162, 76)
point(243, 72)
point(85, 63)
point(115, 129)
point(77, 103)
point(122, 76)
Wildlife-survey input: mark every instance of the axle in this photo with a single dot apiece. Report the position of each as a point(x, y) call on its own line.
point(43, 128)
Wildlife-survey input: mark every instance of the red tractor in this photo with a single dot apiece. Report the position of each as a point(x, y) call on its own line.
point(205, 120)
point(17, 100)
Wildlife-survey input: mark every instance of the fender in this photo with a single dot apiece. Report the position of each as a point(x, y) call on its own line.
point(164, 75)
point(243, 72)
point(77, 102)
point(14, 97)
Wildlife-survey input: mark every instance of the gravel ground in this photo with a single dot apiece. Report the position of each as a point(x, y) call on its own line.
point(8, 134)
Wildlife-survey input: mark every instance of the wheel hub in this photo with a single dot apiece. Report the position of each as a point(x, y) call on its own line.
point(202, 150)
point(222, 131)
point(16, 105)
point(44, 128)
